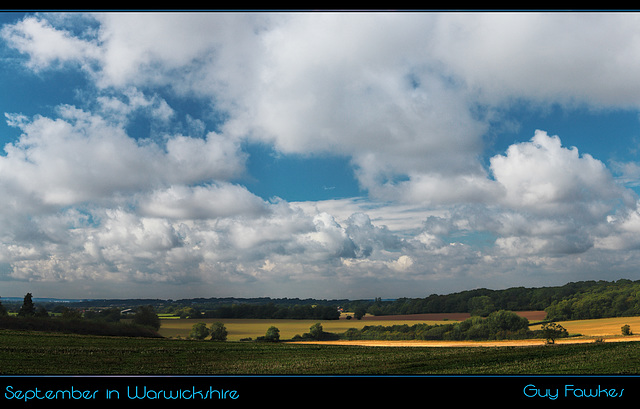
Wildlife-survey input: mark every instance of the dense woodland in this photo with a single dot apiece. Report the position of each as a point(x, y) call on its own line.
point(273, 311)
point(577, 300)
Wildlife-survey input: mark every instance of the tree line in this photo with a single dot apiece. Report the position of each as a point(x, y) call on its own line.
point(144, 322)
point(200, 303)
point(273, 311)
point(498, 325)
point(228, 307)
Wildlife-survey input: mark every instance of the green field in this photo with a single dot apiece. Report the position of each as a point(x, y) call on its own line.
point(49, 353)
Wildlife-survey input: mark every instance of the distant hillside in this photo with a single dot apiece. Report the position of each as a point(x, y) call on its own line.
point(203, 303)
point(575, 300)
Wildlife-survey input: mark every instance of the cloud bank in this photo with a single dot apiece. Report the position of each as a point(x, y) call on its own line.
point(409, 98)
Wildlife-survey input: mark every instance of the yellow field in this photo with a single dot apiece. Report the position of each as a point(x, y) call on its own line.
point(603, 327)
point(252, 328)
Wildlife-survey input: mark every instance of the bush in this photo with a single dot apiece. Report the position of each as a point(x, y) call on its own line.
point(317, 333)
point(272, 335)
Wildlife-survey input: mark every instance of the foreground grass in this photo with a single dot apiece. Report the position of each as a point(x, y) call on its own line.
point(56, 354)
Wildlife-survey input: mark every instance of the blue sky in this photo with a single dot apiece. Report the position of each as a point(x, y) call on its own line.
point(325, 155)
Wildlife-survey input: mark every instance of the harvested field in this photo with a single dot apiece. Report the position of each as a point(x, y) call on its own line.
point(532, 316)
point(602, 327)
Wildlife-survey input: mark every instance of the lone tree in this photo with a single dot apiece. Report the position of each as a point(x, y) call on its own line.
point(218, 332)
point(27, 309)
point(551, 331)
point(626, 330)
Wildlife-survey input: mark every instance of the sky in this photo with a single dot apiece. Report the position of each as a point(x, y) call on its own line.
point(316, 154)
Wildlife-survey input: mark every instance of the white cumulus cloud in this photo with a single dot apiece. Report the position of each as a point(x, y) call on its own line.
point(411, 99)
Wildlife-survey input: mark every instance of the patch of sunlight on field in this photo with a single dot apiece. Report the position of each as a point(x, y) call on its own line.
point(252, 328)
point(600, 327)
